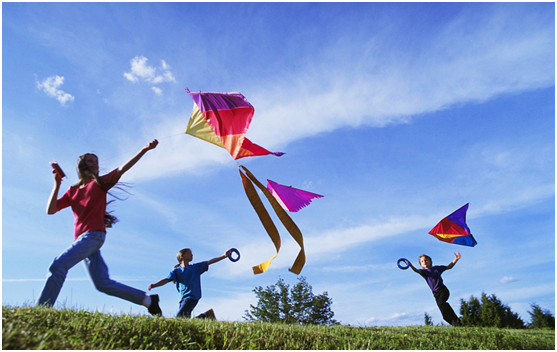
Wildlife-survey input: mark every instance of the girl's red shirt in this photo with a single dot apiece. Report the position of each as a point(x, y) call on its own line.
point(88, 204)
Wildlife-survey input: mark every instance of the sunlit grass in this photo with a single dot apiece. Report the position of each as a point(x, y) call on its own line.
point(48, 328)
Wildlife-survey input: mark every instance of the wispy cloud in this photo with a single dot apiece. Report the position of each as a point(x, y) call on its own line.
point(140, 70)
point(458, 65)
point(398, 319)
point(507, 279)
point(50, 86)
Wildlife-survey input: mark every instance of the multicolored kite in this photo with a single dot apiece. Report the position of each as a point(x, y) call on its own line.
point(223, 119)
point(453, 229)
point(291, 199)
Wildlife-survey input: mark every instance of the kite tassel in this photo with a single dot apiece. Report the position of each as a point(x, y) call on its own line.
point(267, 222)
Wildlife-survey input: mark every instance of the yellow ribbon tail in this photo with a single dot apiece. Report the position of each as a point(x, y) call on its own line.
point(261, 268)
point(267, 222)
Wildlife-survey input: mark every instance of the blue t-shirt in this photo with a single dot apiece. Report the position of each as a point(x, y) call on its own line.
point(188, 280)
point(433, 276)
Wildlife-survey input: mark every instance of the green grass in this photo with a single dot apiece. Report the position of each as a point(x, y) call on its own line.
point(48, 328)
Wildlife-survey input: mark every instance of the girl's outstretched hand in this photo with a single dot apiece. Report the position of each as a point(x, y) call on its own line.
point(457, 255)
point(57, 178)
point(151, 145)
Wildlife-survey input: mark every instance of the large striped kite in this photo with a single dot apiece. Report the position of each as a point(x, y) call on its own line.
point(223, 119)
point(453, 229)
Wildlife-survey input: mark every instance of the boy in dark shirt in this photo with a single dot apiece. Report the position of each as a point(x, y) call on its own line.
point(432, 275)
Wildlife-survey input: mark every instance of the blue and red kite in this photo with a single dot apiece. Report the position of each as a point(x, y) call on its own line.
point(453, 229)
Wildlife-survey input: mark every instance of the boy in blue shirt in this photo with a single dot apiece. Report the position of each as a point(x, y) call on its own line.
point(188, 282)
point(432, 275)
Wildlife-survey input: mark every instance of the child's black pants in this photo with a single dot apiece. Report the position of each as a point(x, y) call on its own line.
point(441, 297)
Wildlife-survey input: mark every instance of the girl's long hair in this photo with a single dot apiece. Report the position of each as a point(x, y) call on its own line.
point(83, 171)
point(180, 255)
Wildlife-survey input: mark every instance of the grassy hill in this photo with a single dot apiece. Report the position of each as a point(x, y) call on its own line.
point(48, 328)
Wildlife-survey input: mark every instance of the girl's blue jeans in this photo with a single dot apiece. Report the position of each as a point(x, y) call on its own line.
point(86, 248)
point(186, 307)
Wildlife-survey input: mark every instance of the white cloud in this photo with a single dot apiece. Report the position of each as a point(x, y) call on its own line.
point(50, 86)
point(461, 65)
point(507, 279)
point(397, 319)
point(140, 70)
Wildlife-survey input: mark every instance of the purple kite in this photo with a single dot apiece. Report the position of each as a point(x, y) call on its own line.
point(291, 199)
point(453, 229)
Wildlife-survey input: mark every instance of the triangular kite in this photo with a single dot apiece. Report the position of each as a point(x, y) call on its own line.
point(290, 198)
point(453, 229)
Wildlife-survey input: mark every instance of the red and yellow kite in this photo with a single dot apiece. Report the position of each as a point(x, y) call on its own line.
point(223, 119)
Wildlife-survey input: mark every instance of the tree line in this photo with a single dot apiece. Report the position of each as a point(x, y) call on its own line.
point(279, 303)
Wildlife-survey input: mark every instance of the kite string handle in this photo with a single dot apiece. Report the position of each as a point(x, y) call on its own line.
point(230, 252)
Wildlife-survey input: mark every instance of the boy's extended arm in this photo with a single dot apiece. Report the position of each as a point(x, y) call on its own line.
point(160, 283)
point(412, 267)
point(456, 258)
point(136, 157)
point(217, 259)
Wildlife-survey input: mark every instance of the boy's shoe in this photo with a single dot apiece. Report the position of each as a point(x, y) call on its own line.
point(154, 308)
point(210, 314)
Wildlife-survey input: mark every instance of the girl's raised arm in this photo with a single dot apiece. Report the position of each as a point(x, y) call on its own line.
point(52, 205)
point(136, 157)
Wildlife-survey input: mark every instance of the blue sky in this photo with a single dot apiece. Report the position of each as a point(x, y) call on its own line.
point(398, 113)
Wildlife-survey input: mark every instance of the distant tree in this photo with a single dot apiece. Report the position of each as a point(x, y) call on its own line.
point(541, 319)
point(489, 311)
point(277, 303)
point(470, 312)
point(427, 319)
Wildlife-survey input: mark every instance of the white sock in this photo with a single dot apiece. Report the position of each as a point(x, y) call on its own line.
point(147, 301)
